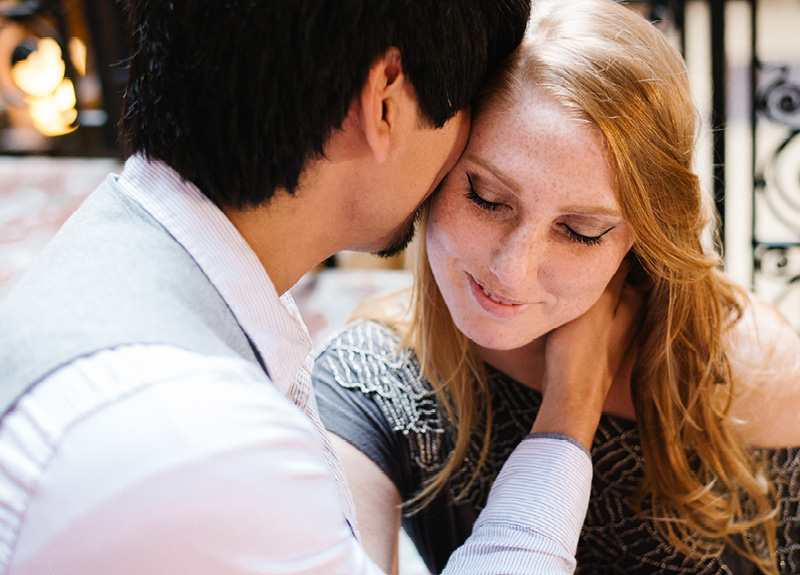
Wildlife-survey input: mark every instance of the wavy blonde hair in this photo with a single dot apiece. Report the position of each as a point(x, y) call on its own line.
point(609, 66)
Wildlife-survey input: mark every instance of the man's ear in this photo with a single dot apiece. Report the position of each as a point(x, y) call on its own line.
point(380, 99)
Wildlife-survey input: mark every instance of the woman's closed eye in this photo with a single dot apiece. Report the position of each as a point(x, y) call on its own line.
point(565, 228)
point(481, 202)
point(583, 239)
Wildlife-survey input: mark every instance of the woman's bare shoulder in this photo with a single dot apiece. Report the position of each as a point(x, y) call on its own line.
point(765, 356)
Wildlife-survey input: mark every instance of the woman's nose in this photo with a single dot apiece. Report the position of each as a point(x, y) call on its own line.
point(515, 261)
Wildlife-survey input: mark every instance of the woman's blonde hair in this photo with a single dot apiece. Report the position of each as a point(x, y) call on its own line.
point(607, 65)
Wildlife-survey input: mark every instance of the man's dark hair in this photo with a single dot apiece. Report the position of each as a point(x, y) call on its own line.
point(238, 95)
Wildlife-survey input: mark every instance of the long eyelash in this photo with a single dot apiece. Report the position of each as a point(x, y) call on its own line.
point(587, 240)
point(479, 201)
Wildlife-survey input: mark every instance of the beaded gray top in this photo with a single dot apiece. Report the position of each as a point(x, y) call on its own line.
point(371, 394)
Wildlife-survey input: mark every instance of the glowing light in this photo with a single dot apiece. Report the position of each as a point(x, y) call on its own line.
point(50, 97)
point(77, 53)
point(41, 72)
point(54, 115)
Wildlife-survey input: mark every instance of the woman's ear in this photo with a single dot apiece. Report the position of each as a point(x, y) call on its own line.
point(380, 101)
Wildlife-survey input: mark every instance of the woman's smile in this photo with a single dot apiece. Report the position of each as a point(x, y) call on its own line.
point(492, 302)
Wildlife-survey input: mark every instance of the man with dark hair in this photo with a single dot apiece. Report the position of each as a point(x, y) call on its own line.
point(155, 371)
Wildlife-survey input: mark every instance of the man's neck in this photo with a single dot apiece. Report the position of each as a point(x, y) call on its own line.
point(288, 235)
point(292, 233)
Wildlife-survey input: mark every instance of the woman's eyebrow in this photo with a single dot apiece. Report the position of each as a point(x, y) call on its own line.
point(591, 211)
point(504, 179)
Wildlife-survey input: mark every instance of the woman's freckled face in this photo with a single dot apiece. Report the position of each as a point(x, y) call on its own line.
point(525, 232)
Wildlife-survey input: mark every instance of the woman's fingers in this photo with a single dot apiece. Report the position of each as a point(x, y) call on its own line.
point(584, 357)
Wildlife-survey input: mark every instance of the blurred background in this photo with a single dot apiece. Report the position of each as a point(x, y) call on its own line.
point(62, 72)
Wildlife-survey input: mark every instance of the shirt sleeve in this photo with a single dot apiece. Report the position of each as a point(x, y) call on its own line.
point(534, 514)
point(201, 467)
point(207, 469)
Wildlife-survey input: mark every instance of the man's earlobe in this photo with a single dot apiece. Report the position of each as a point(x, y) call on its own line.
point(378, 99)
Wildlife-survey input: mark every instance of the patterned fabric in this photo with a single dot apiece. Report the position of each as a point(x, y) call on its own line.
point(362, 366)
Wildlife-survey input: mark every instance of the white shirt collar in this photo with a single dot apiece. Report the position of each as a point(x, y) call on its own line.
point(273, 323)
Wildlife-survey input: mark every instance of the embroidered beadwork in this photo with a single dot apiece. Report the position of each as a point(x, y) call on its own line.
point(366, 357)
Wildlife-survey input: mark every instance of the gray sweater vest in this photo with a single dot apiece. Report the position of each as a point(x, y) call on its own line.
point(112, 276)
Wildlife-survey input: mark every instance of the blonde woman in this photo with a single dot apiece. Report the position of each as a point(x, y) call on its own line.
point(580, 158)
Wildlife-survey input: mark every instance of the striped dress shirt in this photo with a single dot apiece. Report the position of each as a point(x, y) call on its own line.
point(242, 478)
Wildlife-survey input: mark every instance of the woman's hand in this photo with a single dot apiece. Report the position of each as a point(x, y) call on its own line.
point(584, 357)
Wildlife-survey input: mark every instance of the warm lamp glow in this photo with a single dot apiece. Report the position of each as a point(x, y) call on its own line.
point(65, 95)
point(41, 72)
point(50, 96)
point(54, 115)
point(77, 53)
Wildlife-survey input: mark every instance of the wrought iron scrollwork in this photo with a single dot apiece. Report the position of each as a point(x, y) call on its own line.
point(782, 182)
point(776, 233)
point(780, 262)
point(780, 99)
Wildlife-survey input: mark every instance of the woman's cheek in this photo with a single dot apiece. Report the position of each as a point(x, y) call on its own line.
point(580, 279)
point(455, 230)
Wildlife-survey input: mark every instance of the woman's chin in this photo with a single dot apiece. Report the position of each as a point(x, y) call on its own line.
point(501, 340)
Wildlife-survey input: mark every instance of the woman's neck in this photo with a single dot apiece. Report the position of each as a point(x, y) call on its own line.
point(524, 364)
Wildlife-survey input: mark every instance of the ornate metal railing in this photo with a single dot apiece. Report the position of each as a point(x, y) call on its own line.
point(775, 124)
point(773, 100)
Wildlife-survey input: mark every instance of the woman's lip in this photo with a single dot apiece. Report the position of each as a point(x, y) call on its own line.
point(494, 296)
point(489, 304)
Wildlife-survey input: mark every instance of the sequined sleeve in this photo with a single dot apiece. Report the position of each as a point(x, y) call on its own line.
point(370, 394)
point(785, 463)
